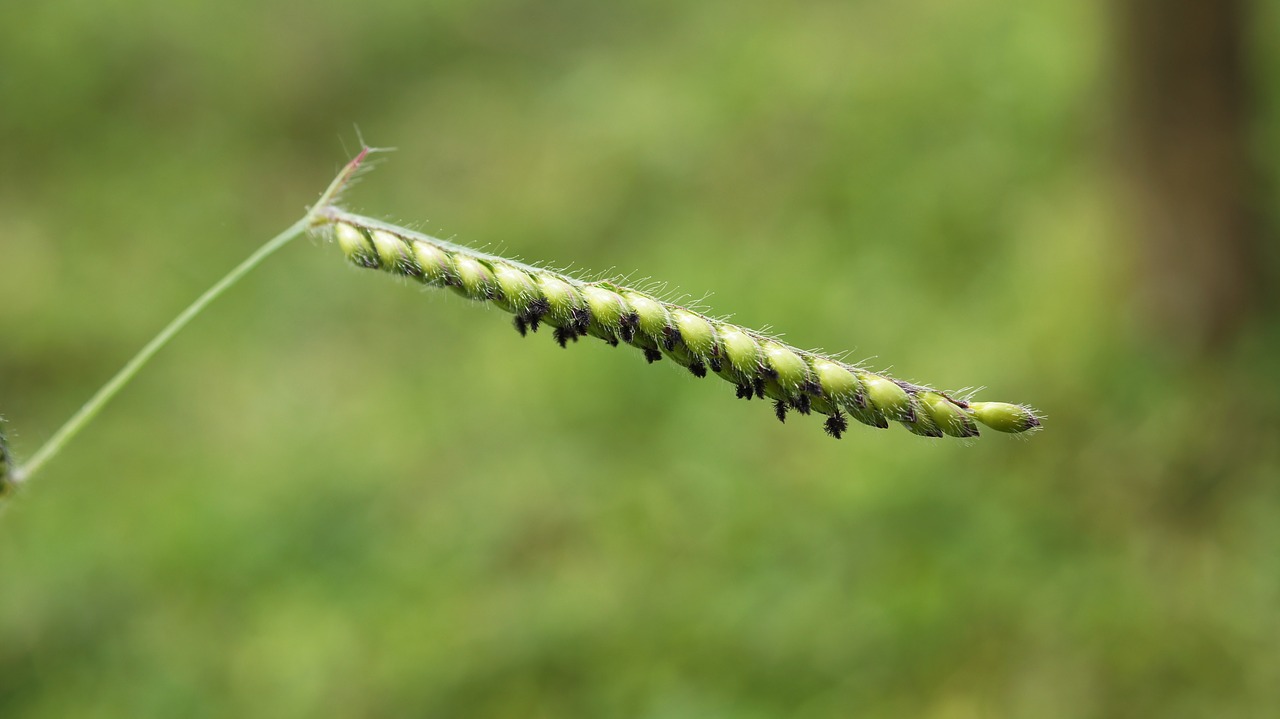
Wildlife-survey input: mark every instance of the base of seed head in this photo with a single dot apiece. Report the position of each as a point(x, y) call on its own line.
point(758, 366)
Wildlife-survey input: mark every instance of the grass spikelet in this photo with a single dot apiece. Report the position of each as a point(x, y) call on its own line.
point(6, 467)
point(757, 365)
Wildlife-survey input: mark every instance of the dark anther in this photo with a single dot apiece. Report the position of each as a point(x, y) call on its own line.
point(780, 410)
point(768, 371)
point(537, 307)
point(745, 392)
point(758, 385)
point(652, 355)
point(836, 424)
point(627, 326)
point(669, 337)
point(563, 336)
point(812, 388)
point(801, 403)
point(860, 399)
point(715, 364)
point(581, 320)
point(698, 369)
point(409, 267)
point(521, 326)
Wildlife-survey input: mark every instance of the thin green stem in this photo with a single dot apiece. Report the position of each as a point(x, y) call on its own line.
point(116, 383)
point(86, 413)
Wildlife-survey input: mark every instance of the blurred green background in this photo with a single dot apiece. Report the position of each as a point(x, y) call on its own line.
point(339, 494)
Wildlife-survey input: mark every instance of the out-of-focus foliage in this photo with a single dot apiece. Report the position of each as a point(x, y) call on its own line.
point(340, 494)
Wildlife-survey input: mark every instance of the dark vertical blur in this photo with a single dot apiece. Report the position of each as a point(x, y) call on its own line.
point(1185, 112)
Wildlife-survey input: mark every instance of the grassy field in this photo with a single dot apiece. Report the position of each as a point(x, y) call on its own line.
point(339, 494)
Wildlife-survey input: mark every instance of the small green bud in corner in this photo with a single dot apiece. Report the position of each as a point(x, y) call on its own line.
point(355, 245)
point(475, 280)
point(393, 253)
point(1004, 417)
point(946, 415)
point(886, 397)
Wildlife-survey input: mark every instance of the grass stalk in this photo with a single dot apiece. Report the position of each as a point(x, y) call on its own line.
point(12, 477)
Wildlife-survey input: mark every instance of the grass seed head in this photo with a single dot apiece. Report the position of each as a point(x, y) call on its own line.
point(757, 366)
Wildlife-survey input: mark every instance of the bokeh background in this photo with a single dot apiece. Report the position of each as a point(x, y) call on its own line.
point(337, 494)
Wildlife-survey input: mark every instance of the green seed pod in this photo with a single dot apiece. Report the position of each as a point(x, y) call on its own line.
point(837, 382)
point(785, 366)
point(563, 300)
point(517, 290)
point(946, 415)
point(696, 333)
point(867, 414)
point(475, 280)
point(651, 315)
point(607, 310)
point(355, 245)
point(394, 254)
point(887, 397)
point(919, 422)
point(436, 264)
point(740, 350)
point(1004, 417)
